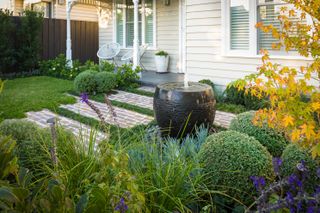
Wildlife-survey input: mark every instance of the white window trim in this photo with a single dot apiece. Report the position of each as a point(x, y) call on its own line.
point(253, 36)
point(124, 45)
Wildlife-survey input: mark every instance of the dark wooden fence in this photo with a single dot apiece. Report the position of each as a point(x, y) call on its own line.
point(84, 36)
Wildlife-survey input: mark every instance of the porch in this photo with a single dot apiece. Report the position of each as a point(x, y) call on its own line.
point(150, 78)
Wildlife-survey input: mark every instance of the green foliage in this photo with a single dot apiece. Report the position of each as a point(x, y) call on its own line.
point(1, 85)
point(126, 75)
point(161, 53)
point(104, 66)
point(7, 59)
point(292, 156)
point(29, 40)
point(17, 129)
point(8, 165)
point(208, 82)
point(168, 171)
point(86, 82)
point(38, 93)
point(228, 107)
point(59, 68)
point(239, 97)
point(230, 158)
point(274, 141)
point(106, 81)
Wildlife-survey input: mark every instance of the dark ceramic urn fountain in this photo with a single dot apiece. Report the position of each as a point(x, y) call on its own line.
point(179, 109)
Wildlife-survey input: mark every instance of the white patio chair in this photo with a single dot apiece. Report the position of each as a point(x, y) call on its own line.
point(109, 51)
point(128, 56)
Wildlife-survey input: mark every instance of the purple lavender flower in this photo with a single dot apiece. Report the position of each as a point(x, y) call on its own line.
point(121, 206)
point(294, 181)
point(277, 162)
point(258, 182)
point(302, 166)
point(84, 97)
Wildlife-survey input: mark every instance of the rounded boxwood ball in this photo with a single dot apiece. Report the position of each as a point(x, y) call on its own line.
point(274, 141)
point(86, 82)
point(230, 158)
point(292, 156)
point(106, 81)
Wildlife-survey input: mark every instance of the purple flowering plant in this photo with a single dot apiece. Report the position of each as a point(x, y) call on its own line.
point(287, 193)
point(121, 206)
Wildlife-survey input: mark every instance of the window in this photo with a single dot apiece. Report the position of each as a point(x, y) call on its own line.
point(44, 7)
point(124, 23)
point(241, 16)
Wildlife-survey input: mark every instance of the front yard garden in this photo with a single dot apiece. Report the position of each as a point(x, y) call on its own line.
point(84, 139)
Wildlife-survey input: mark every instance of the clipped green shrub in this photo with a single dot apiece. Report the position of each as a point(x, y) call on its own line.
point(18, 129)
point(86, 82)
point(274, 141)
point(106, 81)
point(295, 154)
point(230, 158)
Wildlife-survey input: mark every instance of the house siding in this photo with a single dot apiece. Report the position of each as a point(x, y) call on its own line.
point(167, 36)
point(79, 12)
point(204, 45)
point(18, 7)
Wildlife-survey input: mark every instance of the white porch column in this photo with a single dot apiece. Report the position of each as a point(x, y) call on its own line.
point(136, 34)
point(69, 4)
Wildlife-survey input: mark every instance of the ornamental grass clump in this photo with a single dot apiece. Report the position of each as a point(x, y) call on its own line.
point(229, 159)
point(274, 141)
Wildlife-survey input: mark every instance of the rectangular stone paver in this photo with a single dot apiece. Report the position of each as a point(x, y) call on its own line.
point(147, 89)
point(79, 130)
point(133, 99)
point(223, 119)
point(124, 118)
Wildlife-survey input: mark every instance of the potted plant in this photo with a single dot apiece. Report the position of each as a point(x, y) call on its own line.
point(162, 61)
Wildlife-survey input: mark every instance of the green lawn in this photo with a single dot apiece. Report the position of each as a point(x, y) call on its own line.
point(33, 94)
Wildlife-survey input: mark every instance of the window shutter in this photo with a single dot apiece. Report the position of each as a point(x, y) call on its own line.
point(149, 22)
point(239, 25)
point(268, 15)
point(119, 21)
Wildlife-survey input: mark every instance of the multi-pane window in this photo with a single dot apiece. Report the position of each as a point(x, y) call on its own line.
point(242, 15)
point(125, 22)
point(44, 7)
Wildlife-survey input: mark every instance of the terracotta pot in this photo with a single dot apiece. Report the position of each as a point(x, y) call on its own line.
point(179, 110)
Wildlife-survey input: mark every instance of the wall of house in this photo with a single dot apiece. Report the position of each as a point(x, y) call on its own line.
point(167, 35)
point(79, 12)
point(204, 47)
point(18, 7)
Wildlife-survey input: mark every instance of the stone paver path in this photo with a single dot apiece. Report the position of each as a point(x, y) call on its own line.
point(78, 129)
point(133, 99)
point(125, 118)
point(147, 89)
point(222, 118)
